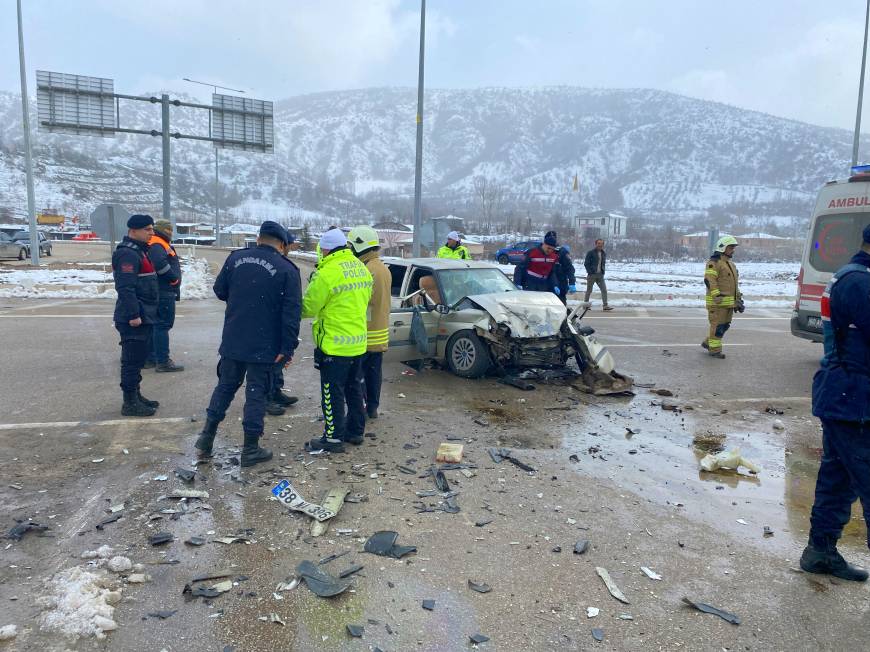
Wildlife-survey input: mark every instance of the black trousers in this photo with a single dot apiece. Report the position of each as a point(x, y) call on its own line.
point(372, 377)
point(231, 374)
point(276, 380)
point(135, 342)
point(341, 395)
point(844, 476)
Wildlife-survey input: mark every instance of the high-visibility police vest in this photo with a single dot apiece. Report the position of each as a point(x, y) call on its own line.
point(460, 253)
point(337, 298)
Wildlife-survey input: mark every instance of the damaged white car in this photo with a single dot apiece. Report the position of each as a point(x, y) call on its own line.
point(469, 315)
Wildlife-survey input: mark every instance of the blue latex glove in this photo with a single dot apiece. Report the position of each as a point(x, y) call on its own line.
point(519, 287)
point(572, 288)
point(557, 291)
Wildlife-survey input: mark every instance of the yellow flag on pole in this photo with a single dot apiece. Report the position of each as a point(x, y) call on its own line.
point(576, 183)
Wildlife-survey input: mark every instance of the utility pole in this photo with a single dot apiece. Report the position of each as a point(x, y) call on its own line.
point(857, 135)
point(164, 120)
point(217, 204)
point(28, 152)
point(418, 166)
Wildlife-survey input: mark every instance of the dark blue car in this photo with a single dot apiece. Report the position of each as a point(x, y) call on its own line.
point(513, 253)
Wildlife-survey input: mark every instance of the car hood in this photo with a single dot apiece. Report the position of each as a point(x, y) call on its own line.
point(527, 314)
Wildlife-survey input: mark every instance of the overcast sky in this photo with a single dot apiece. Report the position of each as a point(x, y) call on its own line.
point(792, 58)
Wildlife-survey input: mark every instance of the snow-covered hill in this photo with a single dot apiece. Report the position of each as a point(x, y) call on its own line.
point(650, 152)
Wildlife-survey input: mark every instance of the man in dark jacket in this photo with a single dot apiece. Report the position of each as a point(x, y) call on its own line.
point(595, 264)
point(563, 272)
point(277, 401)
point(168, 267)
point(841, 400)
point(135, 310)
point(261, 328)
point(535, 272)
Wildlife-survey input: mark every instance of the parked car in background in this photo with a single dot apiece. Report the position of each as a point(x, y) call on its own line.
point(513, 254)
point(86, 235)
point(11, 249)
point(23, 237)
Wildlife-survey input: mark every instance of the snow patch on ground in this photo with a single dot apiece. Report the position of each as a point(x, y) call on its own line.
point(79, 604)
point(92, 283)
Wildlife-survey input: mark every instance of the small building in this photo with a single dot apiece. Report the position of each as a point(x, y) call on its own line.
point(609, 225)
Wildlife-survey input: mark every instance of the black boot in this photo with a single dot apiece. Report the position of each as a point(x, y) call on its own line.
point(168, 366)
point(148, 402)
point(274, 409)
point(133, 407)
point(252, 453)
point(206, 439)
point(280, 398)
point(821, 556)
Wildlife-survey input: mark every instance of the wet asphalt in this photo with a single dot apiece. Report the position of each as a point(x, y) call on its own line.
point(637, 496)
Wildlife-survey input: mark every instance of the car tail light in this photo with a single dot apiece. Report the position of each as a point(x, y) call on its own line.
point(800, 287)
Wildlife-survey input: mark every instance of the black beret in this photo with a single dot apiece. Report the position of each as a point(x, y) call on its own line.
point(274, 230)
point(139, 221)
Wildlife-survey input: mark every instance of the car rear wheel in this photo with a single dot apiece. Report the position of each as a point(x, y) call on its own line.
point(467, 355)
point(48, 252)
point(22, 253)
point(503, 260)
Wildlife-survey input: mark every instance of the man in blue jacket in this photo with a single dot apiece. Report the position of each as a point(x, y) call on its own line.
point(263, 293)
point(135, 310)
point(841, 400)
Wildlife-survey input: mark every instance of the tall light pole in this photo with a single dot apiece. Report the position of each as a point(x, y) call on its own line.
point(857, 135)
point(418, 165)
point(217, 232)
point(28, 152)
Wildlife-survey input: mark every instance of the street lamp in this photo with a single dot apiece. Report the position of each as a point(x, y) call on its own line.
point(217, 232)
point(418, 163)
point(857, 135)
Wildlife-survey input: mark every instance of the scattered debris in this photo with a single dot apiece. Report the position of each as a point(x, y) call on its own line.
point(707, 609)
point(650, 573)
point(188, 493)
point(441, 481)
point(499, 454)
point(768, 531)
point(119, 564)
point(350, 570)
point(611, 585)
point(598, 634)
point(482, 522)
point(287, 495)
point(272, 618)
point(223, 587)
point(480, 588)
point(479, 638)
point(138, 578)
point(626, 617)
point(592, 612)
point(428, 605)
point(332, 502)
point(160, 538)
point(581, 546)
point(288, 586)
point(449, 453)
point(232, 539)
point(670, 407)
point(332, 558)
point(185, 475)
point(79, 603)
point(195, 541)
point(356, 498)
point(778, 424)
point(742, 521)
point(23, 528)
point(383, 543)
point(160, 478)
point(727, 460)
point(481, 421)
point(517, 382)
point(109, 519)
point(709, 442)
point(214, 575)
point(355, 630)
point(662, 392)
point(8, 632)
point(98, 460)
point(163, 615)
point(773, 410)
point(319, 581)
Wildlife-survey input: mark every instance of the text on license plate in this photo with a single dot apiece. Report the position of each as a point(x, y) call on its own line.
point(286, 494)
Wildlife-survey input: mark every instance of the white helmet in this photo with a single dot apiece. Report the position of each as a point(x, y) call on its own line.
point(725, 241)
point(362, 238)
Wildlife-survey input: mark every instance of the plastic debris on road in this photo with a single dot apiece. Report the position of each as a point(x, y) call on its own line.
point(383, 543)
point(611, 585)
point(319, 581)
point(708, 609)
point(650, 573)
point(731, 460)
point(449, 453)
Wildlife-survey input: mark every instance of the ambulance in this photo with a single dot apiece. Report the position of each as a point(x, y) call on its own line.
point(841, 213)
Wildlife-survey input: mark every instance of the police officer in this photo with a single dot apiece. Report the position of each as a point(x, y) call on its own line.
point(454, 248)
point(563, 271)
point(365, 243)
point(263, 292)
point(337, 299)
point(535, 272)
point(168, 267)
point(723, 294)
point(841, 400)
point(277, 401)
point(135, 311)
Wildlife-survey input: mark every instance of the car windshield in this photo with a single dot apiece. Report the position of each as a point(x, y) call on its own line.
point(457, 284)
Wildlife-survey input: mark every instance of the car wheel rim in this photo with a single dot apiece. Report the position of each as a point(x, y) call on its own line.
point(464, 354)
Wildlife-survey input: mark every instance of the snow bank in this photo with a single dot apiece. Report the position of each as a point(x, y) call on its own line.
point(79, 604)
point(93, 284)
point(8, 632)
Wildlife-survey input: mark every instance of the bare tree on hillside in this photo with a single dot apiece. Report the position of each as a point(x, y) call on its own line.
point(489, 196)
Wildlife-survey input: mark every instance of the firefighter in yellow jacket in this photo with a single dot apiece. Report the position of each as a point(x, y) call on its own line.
point(723, 295)
point(364, 242)
point(337, 298)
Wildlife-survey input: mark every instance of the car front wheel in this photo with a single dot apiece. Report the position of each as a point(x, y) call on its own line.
point(503, 260)
point(467, 355)
point(22, 253)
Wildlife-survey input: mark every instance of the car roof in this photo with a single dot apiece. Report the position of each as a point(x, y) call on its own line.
point(441, 263)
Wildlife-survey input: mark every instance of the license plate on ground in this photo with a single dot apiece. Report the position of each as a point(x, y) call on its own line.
point(286, 494)
point(814, 323)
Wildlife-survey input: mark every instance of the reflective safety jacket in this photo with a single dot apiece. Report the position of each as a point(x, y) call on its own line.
point(166, 263)
point(379, 305)
point(537, 265)
point(460, 253)
point(720, 277)
point(337, 299)
point(135, 282)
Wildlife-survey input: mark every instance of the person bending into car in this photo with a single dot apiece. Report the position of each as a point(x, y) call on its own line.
point(535, 273)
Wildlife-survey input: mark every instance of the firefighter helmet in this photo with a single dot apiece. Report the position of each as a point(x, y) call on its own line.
point(725, 241)
point(362, 238)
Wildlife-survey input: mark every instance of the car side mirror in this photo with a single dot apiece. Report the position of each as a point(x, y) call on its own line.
point(441, 309)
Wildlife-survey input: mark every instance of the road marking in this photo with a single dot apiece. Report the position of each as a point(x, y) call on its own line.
point(689, 318)
point(106, 315)
point(50, 304)
point(800, 399)
point(79, 424)
point(667, 346)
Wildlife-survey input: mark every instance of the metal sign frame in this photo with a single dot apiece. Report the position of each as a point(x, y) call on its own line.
point(76, 104)
point(242, 123)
